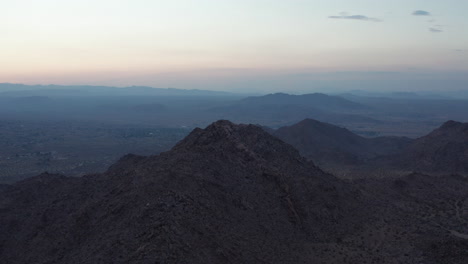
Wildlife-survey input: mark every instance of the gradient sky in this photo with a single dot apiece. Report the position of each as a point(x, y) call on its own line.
point(237, 45)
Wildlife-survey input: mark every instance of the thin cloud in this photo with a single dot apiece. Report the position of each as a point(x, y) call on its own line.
point(435, 30)
point(421, 13)
point(355, 17)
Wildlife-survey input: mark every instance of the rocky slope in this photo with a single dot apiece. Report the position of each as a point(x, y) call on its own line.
point(444, 150)
point(330, 145)
point(229, 194)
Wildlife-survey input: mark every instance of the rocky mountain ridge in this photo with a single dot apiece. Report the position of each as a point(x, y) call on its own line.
point(229, 194)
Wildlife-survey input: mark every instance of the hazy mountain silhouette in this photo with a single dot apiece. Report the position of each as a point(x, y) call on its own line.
point(332, 145)
point(227, 194)
point(9, 89)
point(283, 109)
point(317, 100)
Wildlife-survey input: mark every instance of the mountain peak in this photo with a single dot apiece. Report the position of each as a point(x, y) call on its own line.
point(228, 138)
point(314, 122)
point(312, 126)
point(451, 124)
point(222, 130)
point(214, 198)
point(224, 126)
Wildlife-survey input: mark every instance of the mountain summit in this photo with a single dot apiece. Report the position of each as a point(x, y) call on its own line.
point(250, 141)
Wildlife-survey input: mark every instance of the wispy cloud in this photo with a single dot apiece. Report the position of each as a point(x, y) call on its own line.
point(421, 13)
point(434, 28)
point(355, 17)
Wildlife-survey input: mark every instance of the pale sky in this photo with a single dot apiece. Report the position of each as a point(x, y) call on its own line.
point(236, 45)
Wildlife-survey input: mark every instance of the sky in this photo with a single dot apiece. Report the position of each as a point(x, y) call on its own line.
point(237, 45)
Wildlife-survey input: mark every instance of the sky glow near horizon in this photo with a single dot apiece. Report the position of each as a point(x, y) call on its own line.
point(237, 45)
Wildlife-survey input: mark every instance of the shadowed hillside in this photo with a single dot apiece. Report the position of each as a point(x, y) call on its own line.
point(445, 150)
point(328, 144)
point(228, 194)
point(211, 199)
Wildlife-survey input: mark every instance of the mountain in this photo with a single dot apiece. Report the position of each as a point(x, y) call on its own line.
point(330, 145)
point(444, 150)
point(317, 100)
point(280, 109)
point(395, 95)
point(21, 90)
point(229, 194)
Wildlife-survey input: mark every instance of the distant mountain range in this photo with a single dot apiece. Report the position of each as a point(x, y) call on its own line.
point(8, 89)
point(190, 108)
point(317, 100)
point(231, 194)
point(283, 108)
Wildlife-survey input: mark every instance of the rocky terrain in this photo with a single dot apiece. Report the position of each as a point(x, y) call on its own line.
point(445, 150)
point(232, 194)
